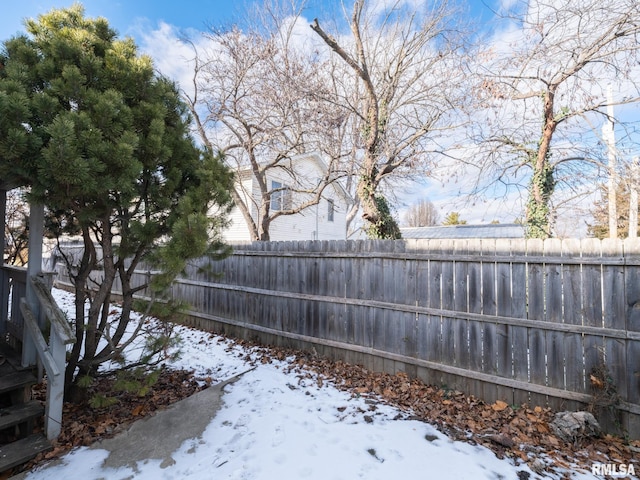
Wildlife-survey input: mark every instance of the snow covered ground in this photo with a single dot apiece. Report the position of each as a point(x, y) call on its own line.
point(279, 425)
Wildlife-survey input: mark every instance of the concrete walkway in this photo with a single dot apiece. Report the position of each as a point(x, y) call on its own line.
point(157, 437)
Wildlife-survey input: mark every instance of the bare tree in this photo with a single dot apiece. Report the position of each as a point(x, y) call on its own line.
point(16, 228)
point(401, 69)
point(545, 89)
point(422, 214)
point(258, 99)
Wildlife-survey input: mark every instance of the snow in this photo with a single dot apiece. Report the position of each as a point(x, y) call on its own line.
point(280, 423)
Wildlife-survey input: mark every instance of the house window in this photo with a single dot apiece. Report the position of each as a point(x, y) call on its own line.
point(280, 196)
point(330, 210)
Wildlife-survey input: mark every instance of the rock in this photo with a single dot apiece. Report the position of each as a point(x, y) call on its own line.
point(538, 466)
point(523, 475)
point(573, 426)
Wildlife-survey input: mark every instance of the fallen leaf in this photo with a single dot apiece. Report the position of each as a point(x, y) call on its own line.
point(596, 382)
point(552, 441)
point(499, 406)
point(502, 440)
point(542, 428)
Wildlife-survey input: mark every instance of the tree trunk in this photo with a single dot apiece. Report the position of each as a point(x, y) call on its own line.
point(87, 264)
point(264, 222)
point(246, 214)
point(538, 214)
point(375, 210)
point(99, 305)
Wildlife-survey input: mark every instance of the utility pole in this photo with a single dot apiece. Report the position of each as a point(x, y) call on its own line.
point(633, 198)
point(609, 138)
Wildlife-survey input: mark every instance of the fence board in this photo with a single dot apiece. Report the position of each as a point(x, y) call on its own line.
point(519, 335)
point(489, 309)
point(535, 306)
point(434, 322)
point(632, 290)
point(504, 304)
point(461, 304)
point(447, 300)
point(613, 353)
point(476, 354)
point(597, 290)
point(553, 313)
point(631, 423)
point(573, 286)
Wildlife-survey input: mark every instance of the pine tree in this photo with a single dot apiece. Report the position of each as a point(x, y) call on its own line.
point(453, 218)
point(600, 226)
point(104, 143)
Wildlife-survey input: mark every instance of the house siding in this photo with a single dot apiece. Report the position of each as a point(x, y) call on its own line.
point(309, 224)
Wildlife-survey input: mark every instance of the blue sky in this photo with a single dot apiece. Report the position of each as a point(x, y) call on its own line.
point(127, 16)
point(124, 15)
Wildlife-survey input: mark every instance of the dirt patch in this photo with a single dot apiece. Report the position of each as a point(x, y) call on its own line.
point(83, 424)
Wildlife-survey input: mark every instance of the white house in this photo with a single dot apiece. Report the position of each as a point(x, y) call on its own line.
point(290, 184)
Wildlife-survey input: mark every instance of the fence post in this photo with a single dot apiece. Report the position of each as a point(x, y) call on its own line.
point(55, 387)
point(34, 266)
point(4, 276)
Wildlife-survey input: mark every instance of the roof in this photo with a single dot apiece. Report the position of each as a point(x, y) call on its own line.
point(498, 230)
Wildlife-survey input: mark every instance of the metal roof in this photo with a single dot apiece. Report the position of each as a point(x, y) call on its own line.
point(498, 230)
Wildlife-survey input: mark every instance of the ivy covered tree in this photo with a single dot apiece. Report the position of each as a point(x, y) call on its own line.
point(542, 94)
point(401, 70)
point(103, 142)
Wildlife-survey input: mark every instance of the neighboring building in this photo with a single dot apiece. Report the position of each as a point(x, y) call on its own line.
point(323, 221)
point(497, 230)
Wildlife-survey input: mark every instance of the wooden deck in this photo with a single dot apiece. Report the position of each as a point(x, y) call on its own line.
point(28, 314)
point(21, 418)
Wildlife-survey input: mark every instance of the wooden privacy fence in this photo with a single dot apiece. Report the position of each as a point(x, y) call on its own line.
point(514, 320)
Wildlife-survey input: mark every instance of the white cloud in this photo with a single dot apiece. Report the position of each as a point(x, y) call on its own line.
point(506, 5)
point(172, 56)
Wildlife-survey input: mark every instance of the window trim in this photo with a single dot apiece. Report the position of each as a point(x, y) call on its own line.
point(280, 196)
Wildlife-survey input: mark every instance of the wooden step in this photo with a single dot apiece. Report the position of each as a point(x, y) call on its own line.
point(11, 357)
point(21, 413)
point(21, 451)
point(15, 380)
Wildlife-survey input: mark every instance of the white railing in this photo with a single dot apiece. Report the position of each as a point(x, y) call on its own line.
point(52, 355)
